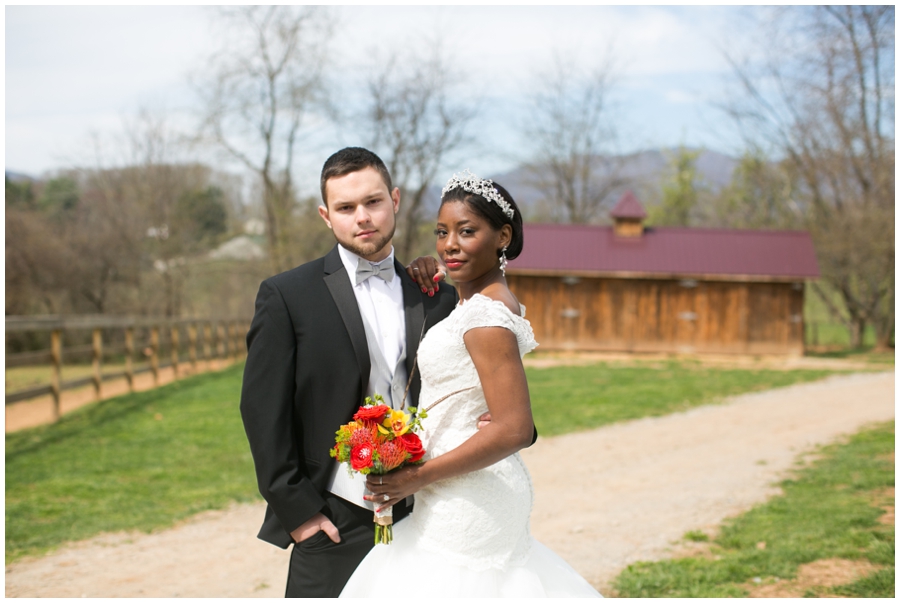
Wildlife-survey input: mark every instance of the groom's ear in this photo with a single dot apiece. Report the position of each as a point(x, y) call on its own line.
point(395, 199)
point(323, 211)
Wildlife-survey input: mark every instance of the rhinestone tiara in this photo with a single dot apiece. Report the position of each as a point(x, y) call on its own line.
point(471, 183)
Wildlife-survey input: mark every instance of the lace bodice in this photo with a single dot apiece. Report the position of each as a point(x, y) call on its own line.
point(445, 366)
point(480, 519)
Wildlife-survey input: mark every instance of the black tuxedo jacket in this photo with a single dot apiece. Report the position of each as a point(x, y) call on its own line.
point(306, 374)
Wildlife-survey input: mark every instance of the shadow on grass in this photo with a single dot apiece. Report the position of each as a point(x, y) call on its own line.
point(864, 354)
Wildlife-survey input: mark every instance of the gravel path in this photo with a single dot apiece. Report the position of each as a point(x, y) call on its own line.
point(604, 498)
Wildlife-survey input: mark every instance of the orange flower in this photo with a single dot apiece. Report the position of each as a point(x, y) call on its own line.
point(391, 454)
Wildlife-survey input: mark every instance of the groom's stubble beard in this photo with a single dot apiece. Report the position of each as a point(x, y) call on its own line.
point(372, 247)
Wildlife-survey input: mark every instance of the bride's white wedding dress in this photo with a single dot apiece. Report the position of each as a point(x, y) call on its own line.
point(468, 535)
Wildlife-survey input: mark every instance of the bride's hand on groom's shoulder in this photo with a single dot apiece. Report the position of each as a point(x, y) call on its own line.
point(427, 272)
point(317, 523)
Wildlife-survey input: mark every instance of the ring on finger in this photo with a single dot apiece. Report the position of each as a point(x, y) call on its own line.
point(415, 269)
point(385, 497)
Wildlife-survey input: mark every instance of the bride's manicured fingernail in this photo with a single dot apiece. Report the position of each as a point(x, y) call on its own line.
point(431, 294)
point(424, 290)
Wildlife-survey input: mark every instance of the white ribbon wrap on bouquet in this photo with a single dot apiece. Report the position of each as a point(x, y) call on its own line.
point(384, 517)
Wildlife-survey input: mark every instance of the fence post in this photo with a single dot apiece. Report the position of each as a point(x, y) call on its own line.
point(207, 338)
point(222, 340)
point(56, 377)
point(154, 354)
point(97, 340)
point(129, 353)
point(192, 345)
point(174, 351)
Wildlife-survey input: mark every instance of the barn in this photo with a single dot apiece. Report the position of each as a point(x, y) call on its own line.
point(629, 287)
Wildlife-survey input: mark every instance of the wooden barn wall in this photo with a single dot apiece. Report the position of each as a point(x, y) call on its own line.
point(662, 315)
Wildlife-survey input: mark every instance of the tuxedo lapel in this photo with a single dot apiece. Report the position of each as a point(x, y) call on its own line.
point(341, 290)
point(414, 312)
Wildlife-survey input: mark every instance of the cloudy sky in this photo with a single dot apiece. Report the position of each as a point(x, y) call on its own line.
point(72, 72)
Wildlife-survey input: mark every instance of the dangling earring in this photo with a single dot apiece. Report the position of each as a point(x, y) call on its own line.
point(503, 261)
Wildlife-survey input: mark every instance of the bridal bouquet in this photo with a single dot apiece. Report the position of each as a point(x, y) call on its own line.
point(379, 439)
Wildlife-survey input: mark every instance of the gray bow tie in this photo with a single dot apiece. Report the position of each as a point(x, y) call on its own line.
point(384, 270)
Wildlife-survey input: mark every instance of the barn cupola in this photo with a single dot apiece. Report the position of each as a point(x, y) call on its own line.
point(628, 216)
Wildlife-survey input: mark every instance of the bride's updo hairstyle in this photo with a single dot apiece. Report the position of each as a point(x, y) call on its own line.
point(476, 193)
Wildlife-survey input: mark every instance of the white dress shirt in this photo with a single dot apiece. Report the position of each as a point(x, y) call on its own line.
point(381, 305)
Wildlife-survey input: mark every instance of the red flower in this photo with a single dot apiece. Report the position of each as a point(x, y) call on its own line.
point(361, 456)
point(371, 413)
point(413, 445)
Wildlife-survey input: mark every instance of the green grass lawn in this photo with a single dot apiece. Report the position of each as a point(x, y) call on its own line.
point(139, 461)
point(145, 460)
point(827, 511)
point(573, 398)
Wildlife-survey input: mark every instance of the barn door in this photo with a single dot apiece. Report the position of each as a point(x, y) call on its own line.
point(686, 315)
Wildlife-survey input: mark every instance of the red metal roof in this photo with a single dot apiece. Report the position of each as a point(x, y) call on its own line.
point(563, 248)
point(628, 207)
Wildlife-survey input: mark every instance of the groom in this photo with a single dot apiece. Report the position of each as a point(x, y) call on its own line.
point(325, 335)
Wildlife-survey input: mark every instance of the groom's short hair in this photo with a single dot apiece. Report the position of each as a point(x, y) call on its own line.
point(349, 160)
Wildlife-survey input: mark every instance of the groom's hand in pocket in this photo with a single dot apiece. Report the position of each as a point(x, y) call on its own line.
point(317, 523)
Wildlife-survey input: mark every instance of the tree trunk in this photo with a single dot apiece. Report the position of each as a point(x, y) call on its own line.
point(883, 341)
point(857, 331)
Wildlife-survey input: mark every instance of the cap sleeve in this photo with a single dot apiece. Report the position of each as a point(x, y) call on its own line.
point(482, 311)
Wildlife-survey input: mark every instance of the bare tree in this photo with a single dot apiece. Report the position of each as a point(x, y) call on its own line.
point(571, 130)
point(265, 79)
point(416, 124)
point(824, 100)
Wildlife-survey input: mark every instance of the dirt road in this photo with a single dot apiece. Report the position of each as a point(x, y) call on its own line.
point(605, 498)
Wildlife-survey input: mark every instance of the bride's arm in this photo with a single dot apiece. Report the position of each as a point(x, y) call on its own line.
point(495, 353)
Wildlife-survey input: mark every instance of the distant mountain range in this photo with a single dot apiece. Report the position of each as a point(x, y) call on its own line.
point(18, 177)
point(645, 173)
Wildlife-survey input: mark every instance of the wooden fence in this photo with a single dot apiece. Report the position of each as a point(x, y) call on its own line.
point(161, 342)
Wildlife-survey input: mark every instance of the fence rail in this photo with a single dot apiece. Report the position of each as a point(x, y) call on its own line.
point(158, 340)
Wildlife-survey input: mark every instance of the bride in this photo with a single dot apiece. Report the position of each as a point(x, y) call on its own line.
point(468, 534)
